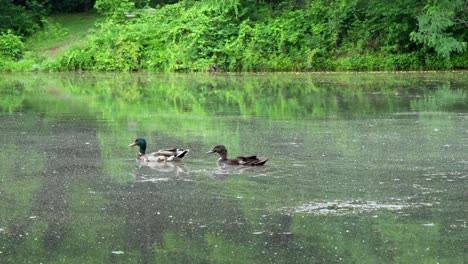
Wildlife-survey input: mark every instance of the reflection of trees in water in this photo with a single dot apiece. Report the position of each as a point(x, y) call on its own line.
point(12, 95)
point(271, 96)
point(68, 161)
point(150, 216)
point(150, 210)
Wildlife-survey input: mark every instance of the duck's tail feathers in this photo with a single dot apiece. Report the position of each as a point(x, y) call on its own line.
point(181, 153)
point(261, 162)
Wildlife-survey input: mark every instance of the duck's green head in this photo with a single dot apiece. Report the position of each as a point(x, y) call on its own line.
point(141, 142)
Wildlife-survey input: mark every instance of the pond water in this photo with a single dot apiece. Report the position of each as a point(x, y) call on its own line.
point(363, 168)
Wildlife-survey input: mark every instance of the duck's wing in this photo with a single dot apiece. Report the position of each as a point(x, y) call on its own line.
point(169, 150)
point(166, 152)
point(251, 161)
point(229, 162)
point(260, 162)
point(244, 158)
point(172, 154)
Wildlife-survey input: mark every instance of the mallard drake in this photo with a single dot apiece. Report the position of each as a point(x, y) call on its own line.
point(160, 155)
point(240, 160)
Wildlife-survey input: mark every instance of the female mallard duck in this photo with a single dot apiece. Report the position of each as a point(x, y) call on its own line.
point(240, 160)
point(161, 155)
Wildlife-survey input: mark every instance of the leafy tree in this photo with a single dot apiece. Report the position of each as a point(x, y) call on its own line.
point(434, 27)
point(68, 6)
point(22, 19)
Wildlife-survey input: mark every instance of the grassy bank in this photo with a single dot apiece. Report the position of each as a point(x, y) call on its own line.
point(62, 32)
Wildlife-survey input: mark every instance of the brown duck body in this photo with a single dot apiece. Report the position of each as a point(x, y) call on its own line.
point(239, 160)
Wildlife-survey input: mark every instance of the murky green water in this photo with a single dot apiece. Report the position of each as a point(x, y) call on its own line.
point(364, 168)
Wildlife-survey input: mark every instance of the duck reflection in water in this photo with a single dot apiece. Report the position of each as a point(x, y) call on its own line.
point(159, 171)
point(165, 167)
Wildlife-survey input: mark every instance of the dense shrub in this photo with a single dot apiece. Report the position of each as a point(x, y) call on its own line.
point(238, 35)
point(11, 46)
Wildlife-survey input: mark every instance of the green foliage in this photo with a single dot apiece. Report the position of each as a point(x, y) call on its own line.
point(372, 26)
point(23, 20)
point(75, 59)
point(115, 9)
point(29, 62)
point(459, 61)
point(434, 27)
point(44, 46)
point(11, 46)
point(70, 6)
point(405, 61)
point(49, 35)
point(107, 51)
point(258, 36)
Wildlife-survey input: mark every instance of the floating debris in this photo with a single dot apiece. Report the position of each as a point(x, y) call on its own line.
point(117, 252)
point(349, 207)
point(154, 180)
